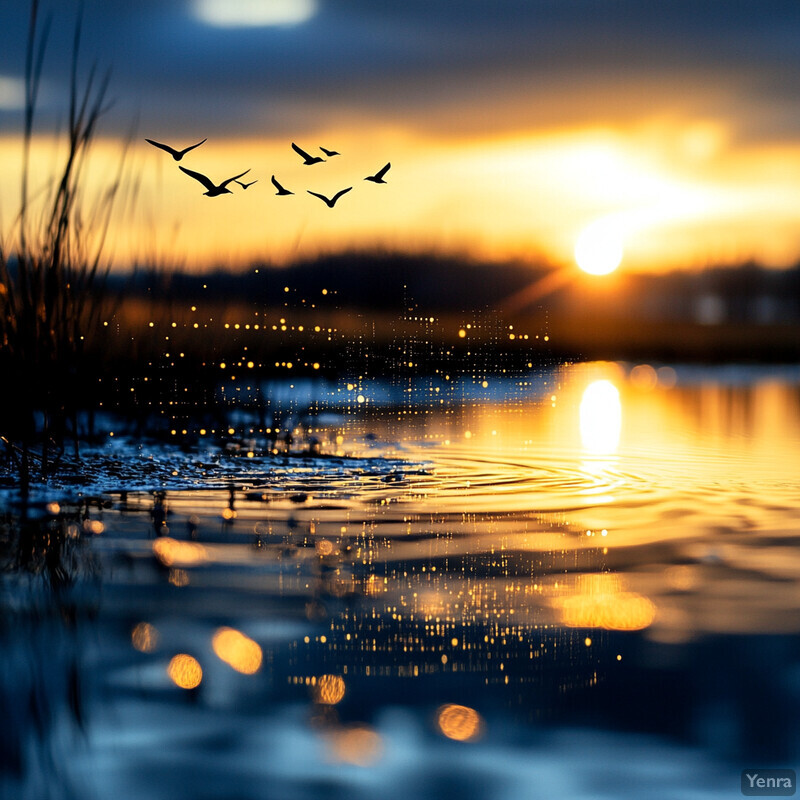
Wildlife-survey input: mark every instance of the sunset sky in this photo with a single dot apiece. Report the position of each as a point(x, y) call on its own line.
point(512, 126)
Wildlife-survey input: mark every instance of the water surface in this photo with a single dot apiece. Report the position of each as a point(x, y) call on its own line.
point(581, 583)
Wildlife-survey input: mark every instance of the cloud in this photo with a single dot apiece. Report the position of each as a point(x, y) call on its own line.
point(254, 13)
point(478, 65)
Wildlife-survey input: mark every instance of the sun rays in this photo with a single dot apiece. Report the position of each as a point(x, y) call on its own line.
point(531, 197)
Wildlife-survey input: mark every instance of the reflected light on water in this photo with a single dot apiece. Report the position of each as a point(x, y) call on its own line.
point(601, 602)
point(94, 526)
point(358, 745)
point(324, 547)
point(144, 637)
point(329, 690)
point(179, 577)
point(461, 723)
point(171, 552)
point(600, 418)
point(643, 377)
point(237, 650)
point(185, 671)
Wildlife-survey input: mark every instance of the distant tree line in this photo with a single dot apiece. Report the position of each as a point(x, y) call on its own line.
point(393, 281)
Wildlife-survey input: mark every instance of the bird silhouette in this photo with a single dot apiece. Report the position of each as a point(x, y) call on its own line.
point(309, 159)
point(176, 154)
point(329, 152)
point(281, 189)
point(332, 202)
point(245, 185)
point(378, 176)
point(213, 190)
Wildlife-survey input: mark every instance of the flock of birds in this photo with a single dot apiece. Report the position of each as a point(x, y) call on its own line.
point(216, 189)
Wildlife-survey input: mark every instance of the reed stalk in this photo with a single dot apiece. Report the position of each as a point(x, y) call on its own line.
point(51, 274)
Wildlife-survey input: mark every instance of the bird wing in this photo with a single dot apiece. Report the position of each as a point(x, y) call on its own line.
point(198, 176)
point(329, 152)
point(161, 146)
point(277, 185)
point(300, 151)
point(321, 196)
point(382, 172)
point(235, 177)
point(192, 147)
point(339, 194)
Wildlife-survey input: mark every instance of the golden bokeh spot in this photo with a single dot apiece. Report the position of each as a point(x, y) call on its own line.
point(144, 637)
point(179, 577)
point(185, 671)
point(358, 745)
point(643, 377)
point(324, 547)
point(172, 552)
point(461, 723)
point(237, 650)
point(600, 602)
point(94, 526)
point(329, 690)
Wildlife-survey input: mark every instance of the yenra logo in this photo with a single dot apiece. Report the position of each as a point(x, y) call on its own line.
point(769, 782)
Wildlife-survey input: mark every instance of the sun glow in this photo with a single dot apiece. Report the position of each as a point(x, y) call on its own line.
point(668, 206)
point(599, 248)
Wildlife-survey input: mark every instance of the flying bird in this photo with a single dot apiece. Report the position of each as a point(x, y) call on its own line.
point(281, 189)
point(245, 185)
point(378, 176)
point(309, 159)
point(213, 190)
point(329, 152)
point(332, 202)
point(176, 154)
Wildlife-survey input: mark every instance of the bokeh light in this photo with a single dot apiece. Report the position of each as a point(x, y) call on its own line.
point(185, 671)
point(329, 690)
point(461, 723)
point(237, 650)
point(145, 637)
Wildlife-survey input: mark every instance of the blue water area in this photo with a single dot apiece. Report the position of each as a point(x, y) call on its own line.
point(581, 585)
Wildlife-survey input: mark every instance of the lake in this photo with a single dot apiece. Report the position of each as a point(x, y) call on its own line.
point(581, 582)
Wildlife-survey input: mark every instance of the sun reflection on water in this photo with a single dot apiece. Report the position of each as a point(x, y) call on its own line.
point(600, 418)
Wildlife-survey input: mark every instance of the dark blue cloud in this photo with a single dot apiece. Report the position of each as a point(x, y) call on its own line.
point(434, 64)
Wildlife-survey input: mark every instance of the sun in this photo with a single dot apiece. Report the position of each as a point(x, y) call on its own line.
point(599, 248)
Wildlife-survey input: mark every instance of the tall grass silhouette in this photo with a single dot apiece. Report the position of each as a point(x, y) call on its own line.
point(51, 270)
